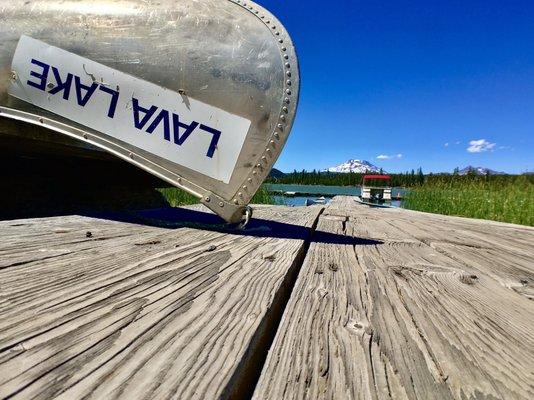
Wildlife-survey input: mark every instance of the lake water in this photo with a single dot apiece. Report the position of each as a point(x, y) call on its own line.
point(299, 201)
point(319, 190)
point(326, 191)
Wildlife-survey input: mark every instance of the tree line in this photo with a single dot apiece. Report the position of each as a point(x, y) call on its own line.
point(407, 179)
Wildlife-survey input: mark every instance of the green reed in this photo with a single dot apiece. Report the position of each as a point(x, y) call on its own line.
point(506, 198)
point(176, 197)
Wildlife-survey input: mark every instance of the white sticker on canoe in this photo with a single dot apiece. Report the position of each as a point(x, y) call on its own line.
point(188, 132)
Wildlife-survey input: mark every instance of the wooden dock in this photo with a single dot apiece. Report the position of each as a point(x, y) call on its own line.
point(336, 302)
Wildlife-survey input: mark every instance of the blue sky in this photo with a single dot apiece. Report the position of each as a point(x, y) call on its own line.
point(414, 81)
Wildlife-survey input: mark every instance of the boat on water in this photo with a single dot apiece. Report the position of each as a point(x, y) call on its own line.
point(376, 189)
point(319, 200)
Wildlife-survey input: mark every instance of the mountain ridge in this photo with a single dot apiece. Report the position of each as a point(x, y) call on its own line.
point(354, 165)
point(478, 171)
point(364, 166)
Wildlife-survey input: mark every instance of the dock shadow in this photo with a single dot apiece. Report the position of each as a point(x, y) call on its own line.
point(174, 218)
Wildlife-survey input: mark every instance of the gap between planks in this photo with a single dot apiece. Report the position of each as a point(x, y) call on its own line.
point(422, 306)
point(125, 313)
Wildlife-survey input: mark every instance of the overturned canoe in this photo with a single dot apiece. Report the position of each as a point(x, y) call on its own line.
point(199, 93)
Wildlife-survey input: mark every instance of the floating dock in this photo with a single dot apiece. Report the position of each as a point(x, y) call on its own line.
point(324, 302)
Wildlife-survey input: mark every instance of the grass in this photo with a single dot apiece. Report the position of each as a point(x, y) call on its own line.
point(498, 199)
point(262, 196)
point(177, 197)
point(505, 199)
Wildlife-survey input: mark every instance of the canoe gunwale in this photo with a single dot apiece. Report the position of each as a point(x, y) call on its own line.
point(227, 200)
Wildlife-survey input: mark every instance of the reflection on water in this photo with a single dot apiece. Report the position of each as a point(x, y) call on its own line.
point(313, 192)
point(396, 203)
point(325, 190)
point(299, 201)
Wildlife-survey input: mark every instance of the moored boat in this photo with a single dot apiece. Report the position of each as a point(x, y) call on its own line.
point(319, 200)
point(376, 188)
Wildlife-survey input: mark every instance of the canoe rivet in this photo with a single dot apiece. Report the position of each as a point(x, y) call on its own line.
point(276, 135)
point(284, 48)
point(41, 120)
point(240, 194)
point(245, 187)
point(273, 27)
point(282, 117)
point(288, 82)
point(286, 100)
point(286, 56)
point(131, 155)
point(249, 179)
point(288, 73)
point(14, 75)
point(288, 91)
point(288, 65)
point(284, 109)
point(221, 204)
point(254, 172)
point(280, 126)
point(262, 17)
point(258, 165)
point(207, 198)
point(264, 158)
point(236, 201)
point(277, 33)
point(255, 12)
point(85, 136)
point(280, 40)
point(268, 151)
point(179, 180)
point(267, 22)
point(272, 143)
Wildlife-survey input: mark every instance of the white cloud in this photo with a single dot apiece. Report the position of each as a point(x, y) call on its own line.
point(480, 145)
point(457, 142)
point(446, 144)
point(386, 157)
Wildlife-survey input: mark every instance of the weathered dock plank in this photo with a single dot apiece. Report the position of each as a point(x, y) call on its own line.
point(415, 306)
point(388, 304)
point(94, 308)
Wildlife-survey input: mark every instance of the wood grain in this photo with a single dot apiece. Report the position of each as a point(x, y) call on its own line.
point(94, 308)
point(418, 306)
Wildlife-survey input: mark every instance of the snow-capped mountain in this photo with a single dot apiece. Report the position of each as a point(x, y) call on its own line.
point(358, 166)
point(478, 171)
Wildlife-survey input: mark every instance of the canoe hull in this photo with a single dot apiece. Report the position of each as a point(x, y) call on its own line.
point(233, 57)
